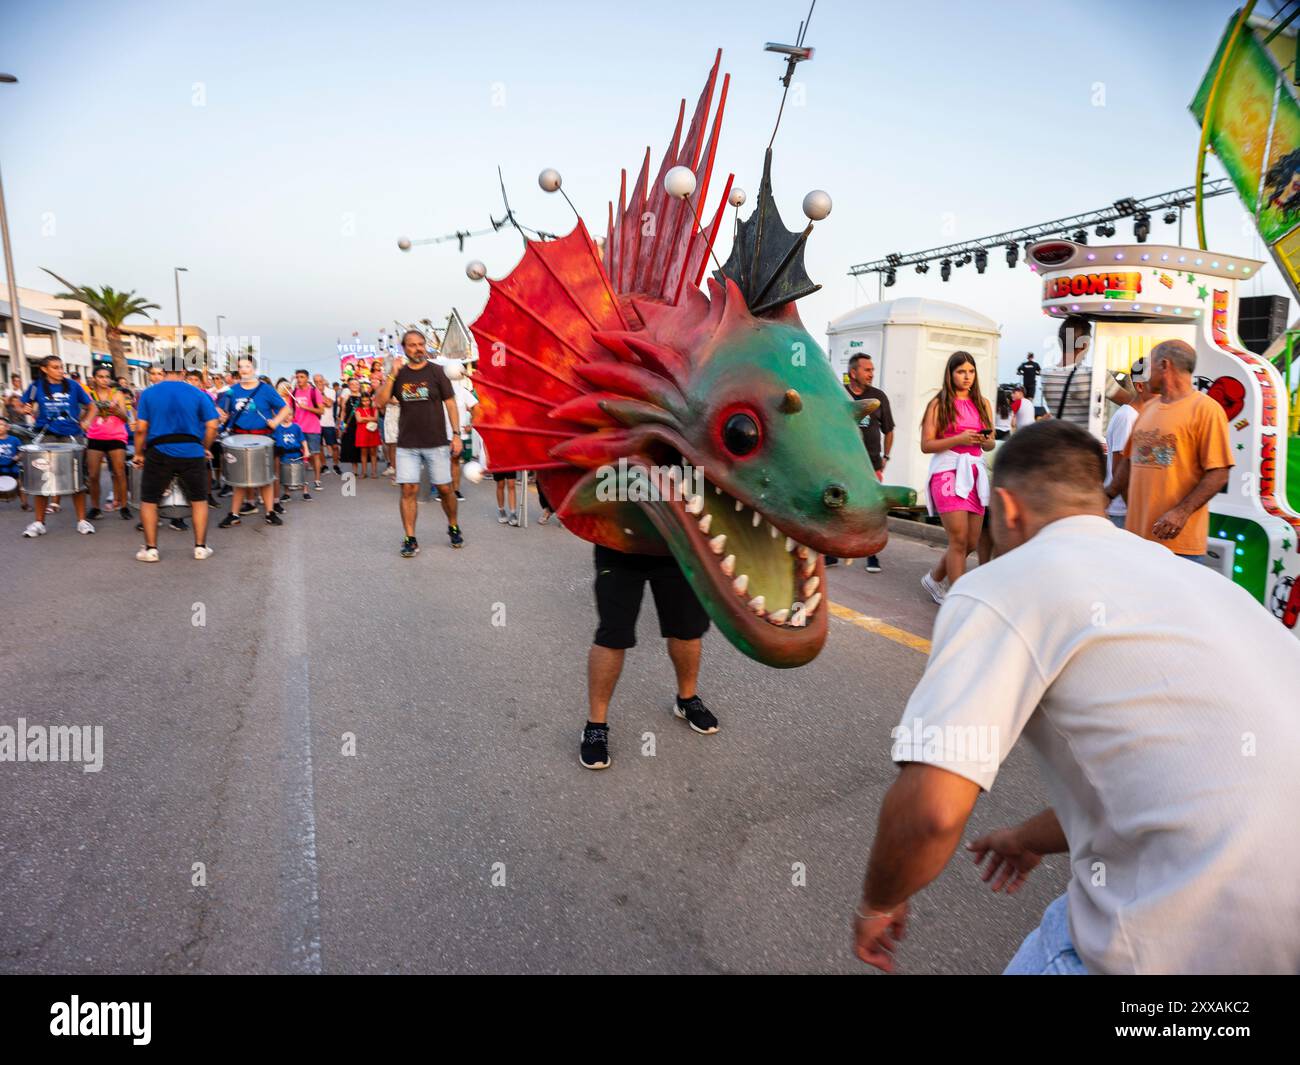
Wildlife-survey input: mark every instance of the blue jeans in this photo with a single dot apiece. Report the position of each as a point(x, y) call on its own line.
point(1048, 950)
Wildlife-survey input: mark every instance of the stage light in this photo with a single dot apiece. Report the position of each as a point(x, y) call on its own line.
point(1013, 253)
point(1171, 217)
point(945, 270)
point(965, 258)
point(1141, 226)
point(889, 278)
point(981, 260)
point(922, 268)
point(1081, 236)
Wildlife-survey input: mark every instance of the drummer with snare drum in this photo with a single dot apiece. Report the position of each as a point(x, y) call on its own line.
point(251, 407)
point(60, 405)
point(175, 425)
point(9, 467)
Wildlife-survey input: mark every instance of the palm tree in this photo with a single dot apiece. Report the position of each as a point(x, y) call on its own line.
point(114, 307)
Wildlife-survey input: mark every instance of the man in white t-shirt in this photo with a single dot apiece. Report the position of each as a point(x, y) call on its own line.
point(1160, 700)
point(329, 433)
point(1118, 430)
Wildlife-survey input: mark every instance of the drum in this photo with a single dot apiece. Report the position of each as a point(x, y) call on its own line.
point(293, 475)
point(173, 503)
point(53, 469)
point(8, 488)
point(248, 461)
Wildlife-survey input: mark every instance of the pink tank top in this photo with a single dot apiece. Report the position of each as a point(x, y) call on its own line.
point(967, 416)
point(105, 426)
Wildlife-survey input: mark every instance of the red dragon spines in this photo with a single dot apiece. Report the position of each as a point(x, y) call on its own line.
point(635, 383)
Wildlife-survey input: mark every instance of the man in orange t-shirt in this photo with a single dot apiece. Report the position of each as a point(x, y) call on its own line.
point(1178, 456)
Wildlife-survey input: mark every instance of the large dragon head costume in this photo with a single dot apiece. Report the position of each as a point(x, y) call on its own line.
point(663, 419)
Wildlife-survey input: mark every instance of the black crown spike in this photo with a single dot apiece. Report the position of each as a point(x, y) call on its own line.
point(766, 260)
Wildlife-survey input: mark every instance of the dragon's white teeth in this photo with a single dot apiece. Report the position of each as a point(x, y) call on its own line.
point(774, 531)
point(813, 602)
point(718, 543)
point(790, 545)
point(758, 519)
point(777, 617)
point(810, 585)
point(717, 489)
point(741, 583)
point(756, 605)
point(705, 522)
point(739, 506)
point(729, 565)
point(801, 551)
point(695, 504)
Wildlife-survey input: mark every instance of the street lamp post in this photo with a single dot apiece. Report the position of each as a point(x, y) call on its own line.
point(180, 322)
point(15, 309)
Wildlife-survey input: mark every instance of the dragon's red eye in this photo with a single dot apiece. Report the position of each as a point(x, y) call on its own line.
point(740, 434)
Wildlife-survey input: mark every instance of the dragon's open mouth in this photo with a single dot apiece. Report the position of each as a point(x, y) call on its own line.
point(764, 588)
point(775, 577)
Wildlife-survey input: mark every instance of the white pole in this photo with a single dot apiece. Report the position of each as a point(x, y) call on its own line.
point(19, 360)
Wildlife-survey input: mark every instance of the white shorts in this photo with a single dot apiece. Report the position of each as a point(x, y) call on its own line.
point(390, 424)
point(411, 460)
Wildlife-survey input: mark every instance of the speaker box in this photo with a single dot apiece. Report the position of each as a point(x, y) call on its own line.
point(1260, 320)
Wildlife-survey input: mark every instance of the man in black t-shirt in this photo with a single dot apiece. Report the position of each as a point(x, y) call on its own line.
point(424, 392)
point(1028, 371)
point(877, 427)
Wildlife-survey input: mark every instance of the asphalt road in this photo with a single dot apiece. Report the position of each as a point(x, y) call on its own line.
point(462, 835)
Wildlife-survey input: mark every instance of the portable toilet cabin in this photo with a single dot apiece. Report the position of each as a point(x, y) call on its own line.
point(910, 339)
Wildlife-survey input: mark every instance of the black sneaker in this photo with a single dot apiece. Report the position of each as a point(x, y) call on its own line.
point(338, 471)
point(697, 715)
point(226, 490)
point(594, 752)
point(274, 519)
point(94, 514)
point(873, 564)
point(453, 532)
point(831, 560)
point(179, 525)
point(459, 496)
point(212, 502)
point(279, 508)
point(410, 548)
point(126, 513)
point(228, 521)
point(306, 494)
point(246, 509)
point(284, 498)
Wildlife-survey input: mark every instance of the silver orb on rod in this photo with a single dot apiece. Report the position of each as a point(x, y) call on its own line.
point(404, 243)
point(679, 182)
point(475, 270)
point(737, 196)
point(549, 179)
point(817, 204)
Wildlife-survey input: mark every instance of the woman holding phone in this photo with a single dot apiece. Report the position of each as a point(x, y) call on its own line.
point(956, 431)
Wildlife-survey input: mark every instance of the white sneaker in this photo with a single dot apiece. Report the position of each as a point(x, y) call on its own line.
point(85, 528)
point(201, 553)
point(147, 554)
point(35, 529)
point(936, 590)
point(502, 517)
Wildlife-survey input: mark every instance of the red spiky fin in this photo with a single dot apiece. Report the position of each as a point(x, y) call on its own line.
point(654, 248)
point(537, 328)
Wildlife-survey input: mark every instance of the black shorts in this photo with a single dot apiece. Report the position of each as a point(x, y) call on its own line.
point(160, 468)
point(329, 434)
point(505, 475)
point(106, 445)
point(620, 584)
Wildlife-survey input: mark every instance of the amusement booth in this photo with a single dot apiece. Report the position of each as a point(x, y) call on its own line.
point(910, 339)
point(1138, 295)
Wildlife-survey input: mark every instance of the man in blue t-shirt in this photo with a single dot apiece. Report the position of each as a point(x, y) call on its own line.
point(59, 404)
point(175, 424)
point(291, 447)
point(251, 407)
point(9, 466)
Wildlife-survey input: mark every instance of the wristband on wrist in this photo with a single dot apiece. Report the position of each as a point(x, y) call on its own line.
point(871, 916)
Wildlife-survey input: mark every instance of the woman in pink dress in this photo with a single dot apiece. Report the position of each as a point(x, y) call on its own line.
point(956, 431)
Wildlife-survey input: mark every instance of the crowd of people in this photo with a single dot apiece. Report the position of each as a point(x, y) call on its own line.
point(174, 431)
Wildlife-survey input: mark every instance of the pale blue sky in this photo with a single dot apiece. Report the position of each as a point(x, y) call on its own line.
point(278, 150)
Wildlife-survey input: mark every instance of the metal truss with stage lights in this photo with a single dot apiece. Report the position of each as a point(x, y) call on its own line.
point(1075, 227)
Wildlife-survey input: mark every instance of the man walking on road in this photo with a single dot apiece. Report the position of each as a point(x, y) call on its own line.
point(1028, 372)
point(424, 392)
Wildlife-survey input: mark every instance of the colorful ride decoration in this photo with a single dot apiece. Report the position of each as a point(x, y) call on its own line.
point(664, 420)
point(1141, 294)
